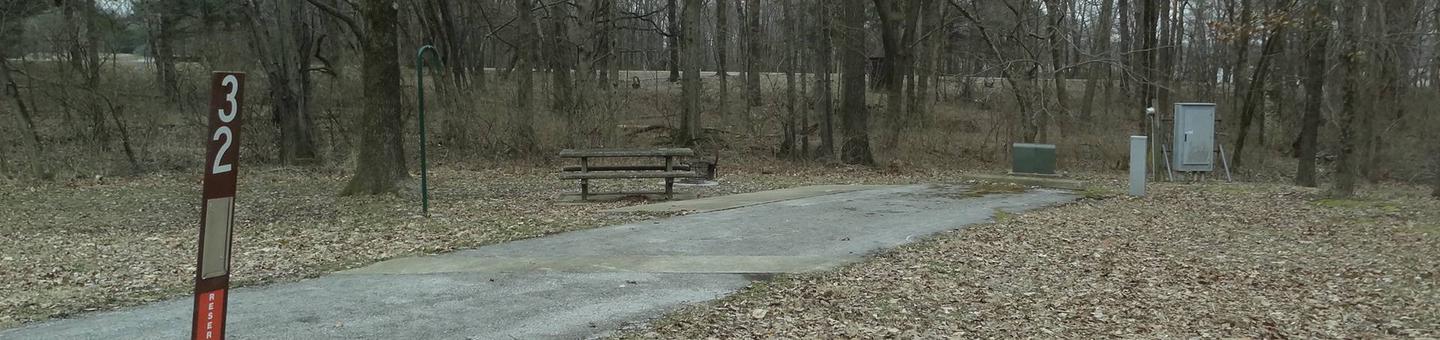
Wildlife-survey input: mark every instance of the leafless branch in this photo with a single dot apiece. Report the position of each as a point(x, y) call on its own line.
point(348, 20)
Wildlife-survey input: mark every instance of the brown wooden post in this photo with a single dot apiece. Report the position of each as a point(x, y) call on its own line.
point(669, 181)
point(584, 182)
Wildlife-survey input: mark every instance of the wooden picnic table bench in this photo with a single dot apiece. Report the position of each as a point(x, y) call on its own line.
point(670, 170)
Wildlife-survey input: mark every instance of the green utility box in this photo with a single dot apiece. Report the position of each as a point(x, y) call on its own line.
point(1033, 159)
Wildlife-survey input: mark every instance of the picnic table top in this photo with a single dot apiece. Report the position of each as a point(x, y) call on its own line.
point(636, 152)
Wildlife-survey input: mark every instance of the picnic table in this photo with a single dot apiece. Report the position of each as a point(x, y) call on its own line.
point(670, 169)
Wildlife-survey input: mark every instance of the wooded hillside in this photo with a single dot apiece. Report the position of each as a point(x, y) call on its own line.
point(1323, 91)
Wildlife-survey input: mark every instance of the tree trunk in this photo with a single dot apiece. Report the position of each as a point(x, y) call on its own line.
point(672, 31)
point(162, 48)
point(854, 119)
point(562, 60)
point(84, 58)
point(891, 24)
point(1435, 137)
point(897, 32)
point(91, 16)
point(565, 72)
point(1101, 41)
point(1164, 66)
point(522, 118)
point(380, 164)
point(1397, 30)
point(1055, 11)
point(615, 55)
point(690, 88)
point(605, 45)
point(582, 58)
point(1318, 40)
point(1127, 43)
point(722, 45)
point(1242, 54)
point(824, 66)
point(753, 43)
point(788, 129)
point(438, 23)
point(1148, 46)
point(1255, 96)
point(934, 37)
point(1352, 60)
point(10, 32)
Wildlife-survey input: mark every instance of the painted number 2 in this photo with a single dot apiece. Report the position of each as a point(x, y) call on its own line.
point(224, 131)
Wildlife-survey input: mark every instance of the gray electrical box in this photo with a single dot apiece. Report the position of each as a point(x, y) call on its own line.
point(1194, 137)
point(1033, 159)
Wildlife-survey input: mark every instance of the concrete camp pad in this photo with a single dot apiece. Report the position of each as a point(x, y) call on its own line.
point(1054, 182)
point(747, 199)
point(603, 264)
point(575, 285)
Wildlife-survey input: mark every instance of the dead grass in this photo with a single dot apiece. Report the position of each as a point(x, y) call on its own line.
point(1206, 261)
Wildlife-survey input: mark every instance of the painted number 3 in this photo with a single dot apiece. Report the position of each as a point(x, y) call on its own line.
point(224, 130)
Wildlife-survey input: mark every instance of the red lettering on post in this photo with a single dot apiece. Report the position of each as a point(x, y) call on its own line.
point(210, 324)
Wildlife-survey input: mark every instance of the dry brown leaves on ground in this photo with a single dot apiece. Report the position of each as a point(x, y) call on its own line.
point(1213, 261)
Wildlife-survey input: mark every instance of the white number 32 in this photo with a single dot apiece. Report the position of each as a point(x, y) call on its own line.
point(224, 131)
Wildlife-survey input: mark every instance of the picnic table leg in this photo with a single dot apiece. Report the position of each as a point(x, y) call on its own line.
point(584, 182)
point(669, 181)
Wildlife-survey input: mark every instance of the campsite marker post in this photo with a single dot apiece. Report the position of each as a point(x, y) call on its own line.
point(217, 208)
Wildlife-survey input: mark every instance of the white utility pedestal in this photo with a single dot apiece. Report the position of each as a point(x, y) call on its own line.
point(1137, 165)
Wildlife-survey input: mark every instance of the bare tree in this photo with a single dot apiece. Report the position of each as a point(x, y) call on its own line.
point(443, 30)
point(931, 37)
point(690, 87)
point(1101, 43)
point(722, 45)
point(787, 128)
point(897, 30)
point(561, 54)
point(1435, 137)
point(855, 120)
point(1149, 43)
point(1353, 61)
point(1123, 12)
point(1242, 26)
point(1020, 66)
point(282, 35)
point(1318, 40)
point(165, 17)
point(83, 56)
point(11, 30)
point(824, 66)
point(1395, 25)
point(522, 118)
point(1056, 14)
point(1254, 94)
point(754, 52)
point(672, 30)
